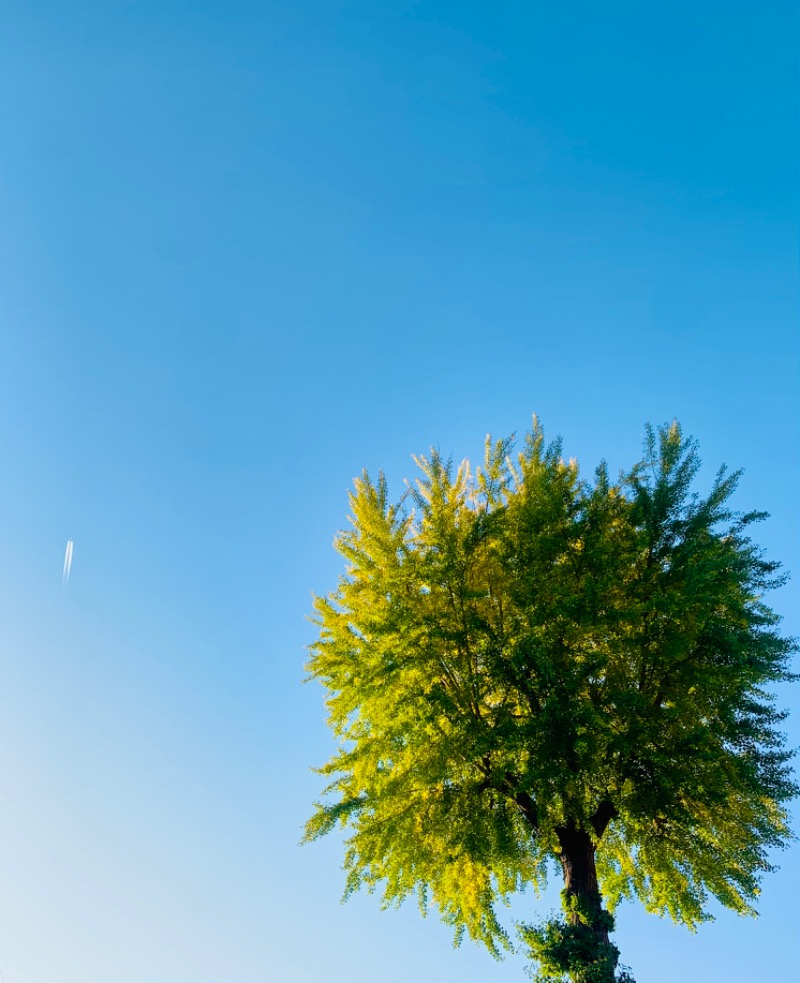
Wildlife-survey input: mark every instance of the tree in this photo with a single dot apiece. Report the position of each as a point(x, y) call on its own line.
point(523, 665)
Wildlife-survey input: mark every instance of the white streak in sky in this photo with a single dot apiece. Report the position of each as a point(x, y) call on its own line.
point(67, 561)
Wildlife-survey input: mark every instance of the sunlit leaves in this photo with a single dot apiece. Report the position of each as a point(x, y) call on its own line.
point(514, 648)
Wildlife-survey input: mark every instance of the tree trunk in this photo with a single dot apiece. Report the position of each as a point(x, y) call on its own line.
point(580, 881)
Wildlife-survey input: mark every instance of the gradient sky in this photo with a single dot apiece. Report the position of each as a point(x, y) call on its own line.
point(247, 249)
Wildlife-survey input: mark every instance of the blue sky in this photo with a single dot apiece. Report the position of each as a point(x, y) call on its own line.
point(247, 249)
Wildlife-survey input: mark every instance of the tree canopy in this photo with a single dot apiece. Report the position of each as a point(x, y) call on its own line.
point(524, 665)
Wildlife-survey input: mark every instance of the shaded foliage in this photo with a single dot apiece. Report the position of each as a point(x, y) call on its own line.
point(574, 949)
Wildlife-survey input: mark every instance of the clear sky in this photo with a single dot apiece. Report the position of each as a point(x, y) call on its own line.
point(247, 249)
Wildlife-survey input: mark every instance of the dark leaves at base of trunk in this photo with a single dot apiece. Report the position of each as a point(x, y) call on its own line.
point(574, 950)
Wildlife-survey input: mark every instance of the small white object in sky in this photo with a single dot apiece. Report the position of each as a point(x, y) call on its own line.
point(67, 561)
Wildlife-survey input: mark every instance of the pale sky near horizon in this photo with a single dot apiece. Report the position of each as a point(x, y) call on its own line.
point(247, 249)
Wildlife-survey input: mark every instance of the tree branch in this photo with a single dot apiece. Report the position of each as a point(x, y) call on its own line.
point(603, 815)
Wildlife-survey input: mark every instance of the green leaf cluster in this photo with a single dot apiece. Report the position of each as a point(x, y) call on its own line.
point(571, 950)
point(519, 648)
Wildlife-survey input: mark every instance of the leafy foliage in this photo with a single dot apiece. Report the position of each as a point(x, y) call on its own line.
point(570, 950)
point(517, 650)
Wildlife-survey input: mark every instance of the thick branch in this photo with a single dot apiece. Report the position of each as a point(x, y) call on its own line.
point(524, 801)
point(528, 807)
point(603, 815)
point(510, 786)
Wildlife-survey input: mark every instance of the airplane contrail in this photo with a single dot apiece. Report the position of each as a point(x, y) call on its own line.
point(67, 561)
